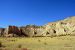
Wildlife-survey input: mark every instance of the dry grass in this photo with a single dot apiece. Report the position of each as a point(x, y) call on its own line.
point(38, 43)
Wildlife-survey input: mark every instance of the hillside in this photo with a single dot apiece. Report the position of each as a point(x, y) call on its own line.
point(58, 28)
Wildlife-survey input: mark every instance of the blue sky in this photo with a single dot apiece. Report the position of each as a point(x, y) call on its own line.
point(38, 12)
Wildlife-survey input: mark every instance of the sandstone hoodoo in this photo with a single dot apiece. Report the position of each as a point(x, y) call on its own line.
point(12, 31)
point(2, 31)
point(58, 28)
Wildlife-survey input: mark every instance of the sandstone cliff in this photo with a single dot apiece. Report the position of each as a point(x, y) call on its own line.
point(58, 28)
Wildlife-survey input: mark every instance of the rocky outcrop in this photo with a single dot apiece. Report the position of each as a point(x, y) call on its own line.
point(28, 30)
point(63, 27)
point(32, 30)
point(12, 31)
point(50, 29)
point(40, 31)
point(2, 31)
point(58, 28)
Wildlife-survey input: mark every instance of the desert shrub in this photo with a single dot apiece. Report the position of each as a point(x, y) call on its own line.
point(62, 35)
point(13, 40)
point(1, 44)
point(72, 34)
point(39, 40)
point(45, 43)
point(51, 36)
point(19, 46)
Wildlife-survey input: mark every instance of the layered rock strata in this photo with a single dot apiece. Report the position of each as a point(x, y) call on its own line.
point(63, 27)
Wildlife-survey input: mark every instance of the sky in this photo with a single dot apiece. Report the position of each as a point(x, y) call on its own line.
point(38, 12)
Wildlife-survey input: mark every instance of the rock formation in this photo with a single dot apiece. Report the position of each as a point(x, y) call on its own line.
point(28, 30)
point(2, 31)
point(58, 28)
point(12, 31)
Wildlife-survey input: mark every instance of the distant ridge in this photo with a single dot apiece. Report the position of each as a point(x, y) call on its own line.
point(58, 28)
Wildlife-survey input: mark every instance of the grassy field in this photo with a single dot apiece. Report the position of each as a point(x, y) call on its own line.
point(38, 43)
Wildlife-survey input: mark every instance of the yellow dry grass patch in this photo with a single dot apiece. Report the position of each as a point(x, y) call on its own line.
point(39, 43)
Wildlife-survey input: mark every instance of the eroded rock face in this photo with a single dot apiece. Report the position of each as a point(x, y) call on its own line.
point(40, 31)
point(50, 28)
point(63, 27)
point(2, 31)
point(28, 31)
point(33, 31)
point(12, 31)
